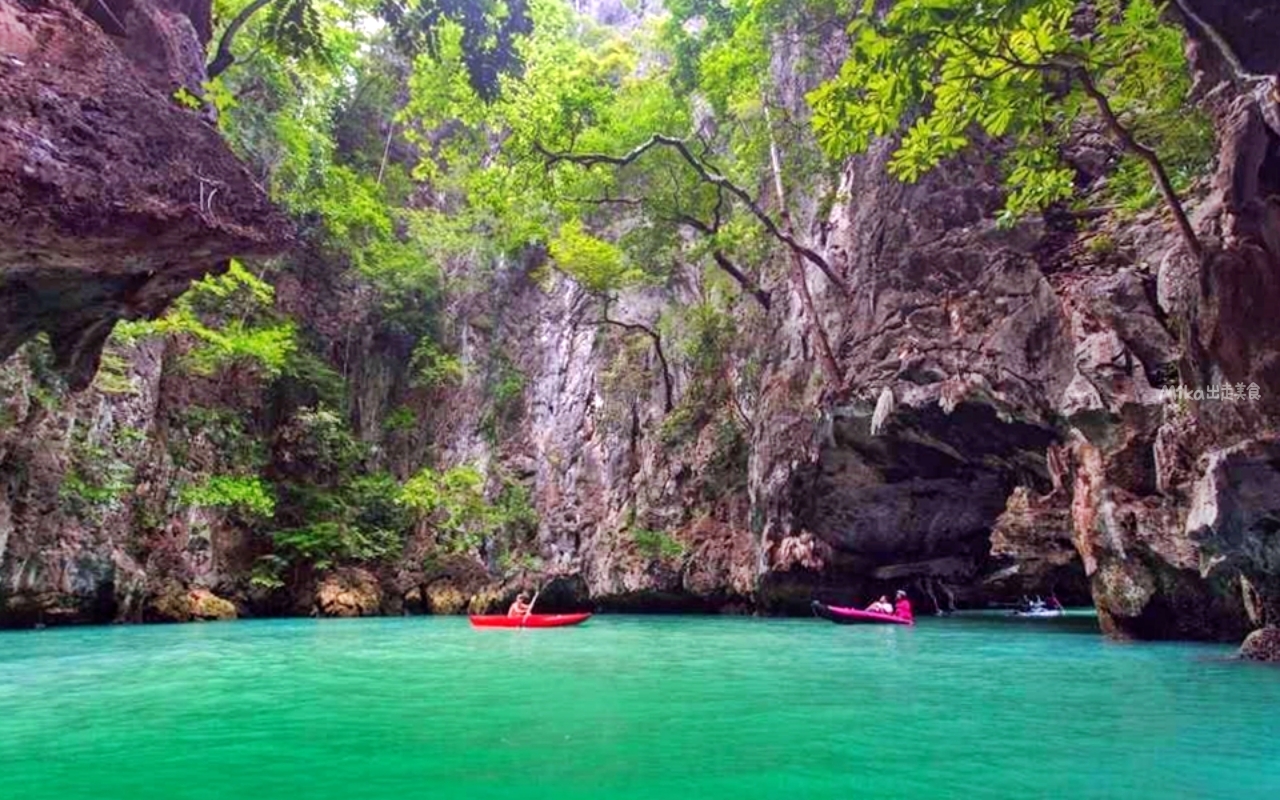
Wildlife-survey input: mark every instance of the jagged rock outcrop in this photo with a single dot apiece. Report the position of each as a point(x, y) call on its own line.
point(349, 593)
point(113, 195)
point(178, 604)
point(1262, 645)
point(1027, 370)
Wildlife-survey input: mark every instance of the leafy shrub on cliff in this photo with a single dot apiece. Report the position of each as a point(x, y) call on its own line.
point(113, 375)
point(47, 387)
point(323, 545)
point(456, 507)
point(97, 480)
point(725, 471)
point(432, 367)
point(400, 419)
point(656, 545)
point(318, 444)
point(358, 520)
point(229, 320)
point(224, 430)
point(247, 494)
point(595, 264)
point(505, 386)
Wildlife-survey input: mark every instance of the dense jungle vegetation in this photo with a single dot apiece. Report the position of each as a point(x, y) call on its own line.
point(431, 147)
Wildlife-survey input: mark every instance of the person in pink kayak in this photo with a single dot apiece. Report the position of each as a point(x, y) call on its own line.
point(520, 607)
point(902, 606)
point(881, 606)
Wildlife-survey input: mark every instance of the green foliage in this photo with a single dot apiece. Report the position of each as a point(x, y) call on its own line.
point(455, 505)
point(186, 99)
point(627, 379)
point(246, 494)
point(294, 29)
point(113, 375)
point(504, 386)
point(268, 571)
point(357, 519)
point(377, 512)
point(88, 496)
point(656, 545)
point(307, 379)
point(318, 443)
point(1102, 244)
point(97, 480)
point(434, 368)
point(595, 264)
point(47, 387)
point(326, 544)
point(681, 426)
point(228, 318)
point(128, 435)
point(726, 468)
point(400, 418)
point(949, 70)
point(704, 335)
point(708, 335)
point(224, 429)
point(486, 31)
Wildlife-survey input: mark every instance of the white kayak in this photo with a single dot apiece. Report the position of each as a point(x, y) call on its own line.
point(1040, 613)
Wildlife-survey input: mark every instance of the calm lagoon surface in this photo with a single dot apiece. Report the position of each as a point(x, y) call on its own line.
point(973, 706)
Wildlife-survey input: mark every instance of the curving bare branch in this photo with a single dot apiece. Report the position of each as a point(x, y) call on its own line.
point(708, 175)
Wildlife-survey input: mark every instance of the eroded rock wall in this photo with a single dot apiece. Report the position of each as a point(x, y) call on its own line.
point(113, 195)
point(1003, 426)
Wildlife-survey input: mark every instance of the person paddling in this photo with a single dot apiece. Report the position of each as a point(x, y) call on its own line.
point(902, 606)
point(881, 606)
point(521, 606)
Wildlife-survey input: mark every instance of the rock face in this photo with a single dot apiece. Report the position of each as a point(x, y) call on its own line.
point(1262, 645)
point(1009, 420)
point(113, 195)
point(349, 593)
point(113, 198)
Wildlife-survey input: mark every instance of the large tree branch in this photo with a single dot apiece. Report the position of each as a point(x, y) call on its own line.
point(1077, 71)
point(748, 285)
point(726, 264)
point(636, 327)
point(1147, 155)
point(826, 358)
point(223, 57)
point(707, 175)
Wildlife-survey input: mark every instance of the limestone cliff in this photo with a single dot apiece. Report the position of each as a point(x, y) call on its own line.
point(113, 198)
point(113, 195)
point(1005, 423)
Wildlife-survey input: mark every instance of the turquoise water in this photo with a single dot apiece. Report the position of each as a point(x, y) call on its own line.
point(628, 707)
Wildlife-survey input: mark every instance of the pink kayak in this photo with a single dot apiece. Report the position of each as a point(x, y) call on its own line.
point(856, 616)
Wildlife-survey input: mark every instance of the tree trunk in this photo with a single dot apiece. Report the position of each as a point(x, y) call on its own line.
point(826, 358)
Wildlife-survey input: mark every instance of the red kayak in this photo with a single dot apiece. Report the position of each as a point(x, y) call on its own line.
point(856, 616)
point(530, 621)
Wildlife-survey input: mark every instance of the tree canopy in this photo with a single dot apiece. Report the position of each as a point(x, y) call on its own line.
point(947, 73)
point(687, 156)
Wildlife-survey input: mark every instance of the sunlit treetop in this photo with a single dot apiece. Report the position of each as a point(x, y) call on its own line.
point(946, 72)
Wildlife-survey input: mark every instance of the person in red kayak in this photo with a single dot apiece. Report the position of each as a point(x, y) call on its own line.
point(902, 606)
point(520, 607)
